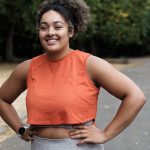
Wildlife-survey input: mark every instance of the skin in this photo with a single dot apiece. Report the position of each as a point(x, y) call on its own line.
point(121, 87)
point(54, 35)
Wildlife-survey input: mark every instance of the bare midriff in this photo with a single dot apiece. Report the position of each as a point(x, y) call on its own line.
point(56, 131)
point(52, 133)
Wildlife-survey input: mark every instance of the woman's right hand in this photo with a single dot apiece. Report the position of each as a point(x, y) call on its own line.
point(28, 135)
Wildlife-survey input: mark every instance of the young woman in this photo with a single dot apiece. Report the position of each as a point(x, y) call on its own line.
point(61, 86)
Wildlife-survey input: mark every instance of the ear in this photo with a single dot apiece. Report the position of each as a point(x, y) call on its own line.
point(71, 32)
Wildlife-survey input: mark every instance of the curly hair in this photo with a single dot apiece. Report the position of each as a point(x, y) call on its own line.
point(75, 12)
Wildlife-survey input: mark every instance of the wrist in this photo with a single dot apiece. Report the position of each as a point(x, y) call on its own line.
point(22, 130)
point(110, 134)
point(106, 136)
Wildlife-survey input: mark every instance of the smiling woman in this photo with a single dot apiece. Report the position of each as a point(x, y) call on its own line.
point(54, 34)
point(63, 86)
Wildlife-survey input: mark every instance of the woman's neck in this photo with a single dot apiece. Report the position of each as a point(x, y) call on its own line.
point(54, 56)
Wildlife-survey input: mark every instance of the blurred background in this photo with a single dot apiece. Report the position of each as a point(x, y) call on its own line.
point(119, 28)
point(119, 32)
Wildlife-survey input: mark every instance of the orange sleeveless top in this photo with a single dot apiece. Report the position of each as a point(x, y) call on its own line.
point(60, 92)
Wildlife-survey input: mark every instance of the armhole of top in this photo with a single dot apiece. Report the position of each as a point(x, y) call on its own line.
point(87, 75)
point(33, 62)
point(29, 73)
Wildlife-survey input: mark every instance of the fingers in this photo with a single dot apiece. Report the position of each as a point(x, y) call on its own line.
point(28, 135)
point(31, 133)
point(27, 138)
point(79, 136)
point(74, 132)
point(83, 141)
point(81, 127)
point(80, 132)
point(86, 134)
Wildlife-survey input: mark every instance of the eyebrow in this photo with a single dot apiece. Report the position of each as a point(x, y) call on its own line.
point(55, 22)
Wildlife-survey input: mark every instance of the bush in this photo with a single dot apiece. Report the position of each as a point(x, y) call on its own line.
point(119, 22)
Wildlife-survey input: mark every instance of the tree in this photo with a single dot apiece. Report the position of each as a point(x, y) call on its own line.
point(18, 18)
point(120, 22)
point(115, 23)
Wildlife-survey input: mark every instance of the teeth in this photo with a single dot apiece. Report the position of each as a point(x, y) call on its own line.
point(52, 41)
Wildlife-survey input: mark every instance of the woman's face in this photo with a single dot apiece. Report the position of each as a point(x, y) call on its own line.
point(54, 32)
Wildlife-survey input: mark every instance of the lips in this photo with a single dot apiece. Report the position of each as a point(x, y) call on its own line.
point(52, 41)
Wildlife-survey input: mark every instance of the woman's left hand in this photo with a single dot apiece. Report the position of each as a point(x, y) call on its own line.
point(88, 134)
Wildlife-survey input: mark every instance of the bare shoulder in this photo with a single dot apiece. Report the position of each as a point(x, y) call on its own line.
point(101, 71)
point(97, 66)
point(16, 83)
point(22, 69)
point(108, 77)
point(94, 61)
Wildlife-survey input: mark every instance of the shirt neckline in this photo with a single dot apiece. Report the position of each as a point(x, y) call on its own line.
point(61, 59)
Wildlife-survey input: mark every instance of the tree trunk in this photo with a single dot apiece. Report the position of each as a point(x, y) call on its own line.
point(9, 45)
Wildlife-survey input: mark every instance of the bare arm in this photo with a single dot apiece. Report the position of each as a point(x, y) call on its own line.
point(121, 87)
point(9, 91)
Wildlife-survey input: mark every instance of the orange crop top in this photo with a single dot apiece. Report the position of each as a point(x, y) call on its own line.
point(60, 92)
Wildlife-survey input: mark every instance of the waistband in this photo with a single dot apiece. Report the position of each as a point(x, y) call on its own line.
point(67, 126)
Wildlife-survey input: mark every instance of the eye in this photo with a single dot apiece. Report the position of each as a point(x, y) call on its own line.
point(43, 28)
point(58, 27)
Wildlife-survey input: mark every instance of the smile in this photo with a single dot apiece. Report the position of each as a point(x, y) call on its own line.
point(52, 41)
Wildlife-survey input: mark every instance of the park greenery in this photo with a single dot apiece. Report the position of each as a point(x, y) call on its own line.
point(117, 28)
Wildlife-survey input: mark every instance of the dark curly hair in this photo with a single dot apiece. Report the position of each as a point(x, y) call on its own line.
point(75, 12)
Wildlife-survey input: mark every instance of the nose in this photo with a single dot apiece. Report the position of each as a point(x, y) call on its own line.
point(51, 31)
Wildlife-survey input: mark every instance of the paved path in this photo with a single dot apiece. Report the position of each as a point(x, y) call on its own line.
point(135, 137)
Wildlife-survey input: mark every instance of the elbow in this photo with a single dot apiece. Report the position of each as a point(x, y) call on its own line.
point(141, 99)
point(138, 99)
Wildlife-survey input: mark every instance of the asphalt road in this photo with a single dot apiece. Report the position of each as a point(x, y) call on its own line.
point(135, 137)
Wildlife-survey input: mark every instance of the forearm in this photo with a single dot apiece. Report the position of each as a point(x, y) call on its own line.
point(127, 111)
point(9, 115)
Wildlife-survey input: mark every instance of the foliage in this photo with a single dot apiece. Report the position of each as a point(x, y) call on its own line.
point(114, 23)
point(120, 22)
point(20, 12)
point(124, 22)
point(19, 16)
